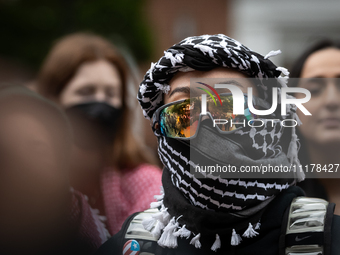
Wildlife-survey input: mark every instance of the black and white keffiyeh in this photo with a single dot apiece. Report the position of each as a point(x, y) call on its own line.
point(205, 53)
point(243, 199)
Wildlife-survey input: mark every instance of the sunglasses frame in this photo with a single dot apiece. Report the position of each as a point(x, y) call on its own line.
point(156, 116)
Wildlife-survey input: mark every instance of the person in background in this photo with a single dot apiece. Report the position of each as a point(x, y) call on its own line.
point(37, 216)
point(320, 133)
point(88, 78)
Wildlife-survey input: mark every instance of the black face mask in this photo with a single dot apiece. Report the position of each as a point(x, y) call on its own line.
point(94, 122)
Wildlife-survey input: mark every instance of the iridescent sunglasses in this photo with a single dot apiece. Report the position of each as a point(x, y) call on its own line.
point(181, 119)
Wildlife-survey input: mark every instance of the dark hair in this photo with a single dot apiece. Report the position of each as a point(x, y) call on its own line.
point(295, 71)
point(61, 65)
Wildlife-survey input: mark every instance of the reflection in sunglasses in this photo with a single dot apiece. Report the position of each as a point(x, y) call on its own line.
point(181, 119)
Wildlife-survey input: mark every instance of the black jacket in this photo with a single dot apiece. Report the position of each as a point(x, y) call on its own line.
point(267, 243)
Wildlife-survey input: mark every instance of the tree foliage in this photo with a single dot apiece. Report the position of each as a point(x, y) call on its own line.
point(28, 28)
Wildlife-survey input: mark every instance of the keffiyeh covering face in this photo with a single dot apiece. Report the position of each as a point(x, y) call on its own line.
point(238, 200)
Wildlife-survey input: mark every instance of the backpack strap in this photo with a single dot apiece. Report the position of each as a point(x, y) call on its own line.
point(136, 229)
point(307, 227)
point(135, 234)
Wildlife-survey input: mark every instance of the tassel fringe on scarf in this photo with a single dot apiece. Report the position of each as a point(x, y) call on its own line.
point(294, 145)
point(167, 229)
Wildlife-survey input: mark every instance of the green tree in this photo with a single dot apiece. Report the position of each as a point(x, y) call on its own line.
point(28, 28)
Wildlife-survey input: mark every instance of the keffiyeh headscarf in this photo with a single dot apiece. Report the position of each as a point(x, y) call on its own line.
point(188, 202)
point(204, 53)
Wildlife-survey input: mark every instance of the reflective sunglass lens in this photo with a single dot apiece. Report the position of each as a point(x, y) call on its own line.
point(176, 120)
point(180, 120)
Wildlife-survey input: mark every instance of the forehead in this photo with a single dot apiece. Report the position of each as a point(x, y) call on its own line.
point(184, 78)
point(322, 63)
point(96, 72)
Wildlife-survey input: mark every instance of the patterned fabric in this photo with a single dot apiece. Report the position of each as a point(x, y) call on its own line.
point(127, 192)
point(212, 192)
point(243, 198)
point(203, 53)
point(124, 193)
point(88, 234)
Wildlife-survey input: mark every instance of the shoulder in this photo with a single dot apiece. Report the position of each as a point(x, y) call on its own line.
point(131, 231)
point(147, 168)
point(146, 181)
point(137, 185)
point(311, 222)
point(145, 172)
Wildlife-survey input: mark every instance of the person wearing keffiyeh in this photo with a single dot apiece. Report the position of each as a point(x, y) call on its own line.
point(215, 215)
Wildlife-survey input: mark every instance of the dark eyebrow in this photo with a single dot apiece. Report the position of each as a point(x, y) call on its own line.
point(185, 90)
